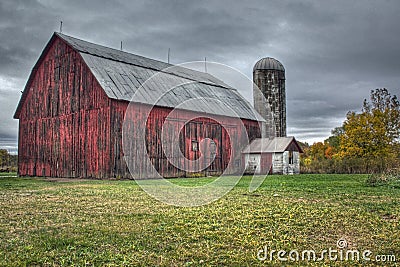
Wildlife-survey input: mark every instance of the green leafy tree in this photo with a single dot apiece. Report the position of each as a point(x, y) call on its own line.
point(3, 157)
point(334, 139)
point(8, 162)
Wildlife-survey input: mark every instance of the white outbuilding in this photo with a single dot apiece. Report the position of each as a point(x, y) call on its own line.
point(278, 155)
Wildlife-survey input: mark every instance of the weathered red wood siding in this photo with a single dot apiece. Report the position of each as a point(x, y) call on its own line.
point(158, 119)
point(64, 128)
point(266, 163)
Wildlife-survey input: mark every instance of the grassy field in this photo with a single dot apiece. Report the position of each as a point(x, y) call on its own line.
point(115, 223)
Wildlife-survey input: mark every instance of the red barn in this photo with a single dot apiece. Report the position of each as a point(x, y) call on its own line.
point(72, 110)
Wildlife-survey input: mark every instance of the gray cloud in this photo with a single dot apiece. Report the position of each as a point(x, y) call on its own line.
point(334, 52)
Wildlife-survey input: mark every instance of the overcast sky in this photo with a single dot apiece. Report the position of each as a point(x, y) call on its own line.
point(334, 52)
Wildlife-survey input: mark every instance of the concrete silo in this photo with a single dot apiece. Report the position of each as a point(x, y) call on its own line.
point(270, 97)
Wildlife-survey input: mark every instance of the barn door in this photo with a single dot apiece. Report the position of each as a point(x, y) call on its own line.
point(204, 147)
point(192, 147)
point(213, 148)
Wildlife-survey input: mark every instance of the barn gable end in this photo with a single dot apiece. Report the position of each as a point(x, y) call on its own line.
point(61, 109)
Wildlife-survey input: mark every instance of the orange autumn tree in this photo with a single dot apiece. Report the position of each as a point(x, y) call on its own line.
point(318, 158)
point(373, 134)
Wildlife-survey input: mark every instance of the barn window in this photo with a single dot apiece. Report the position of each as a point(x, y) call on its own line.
point(195, 145)
point(290, 157)
point(213, 148)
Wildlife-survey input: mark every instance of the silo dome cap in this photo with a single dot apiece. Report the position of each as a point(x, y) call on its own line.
point(268, 63)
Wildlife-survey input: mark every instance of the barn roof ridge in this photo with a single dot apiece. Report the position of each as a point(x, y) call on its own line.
point(114, 68)
point(167, 66)
point(121, 81)
point(66, 37)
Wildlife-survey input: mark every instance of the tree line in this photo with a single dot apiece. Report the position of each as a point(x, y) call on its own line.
point(367, 142)
point(8, 162)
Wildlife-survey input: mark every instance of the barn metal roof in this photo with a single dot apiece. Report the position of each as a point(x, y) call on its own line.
point(267, 145)
point(121, 74)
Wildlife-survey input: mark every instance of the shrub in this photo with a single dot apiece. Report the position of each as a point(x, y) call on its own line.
point(391, 177)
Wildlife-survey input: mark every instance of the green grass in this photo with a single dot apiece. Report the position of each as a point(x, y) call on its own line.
point(115, 223)
point(3, 174)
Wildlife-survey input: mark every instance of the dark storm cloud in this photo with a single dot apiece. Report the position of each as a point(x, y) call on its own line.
point(334, 52)
point(23, 33)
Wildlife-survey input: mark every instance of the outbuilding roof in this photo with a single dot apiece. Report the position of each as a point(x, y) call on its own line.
point(273, 145)
point(121, 74)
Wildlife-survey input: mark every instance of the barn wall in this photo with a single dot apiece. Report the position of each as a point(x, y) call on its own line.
point(277, 163)
point(64, 121)
point(266, 163)
point(293, 168)
point(258, 163)
point(281, 163)
point(252, 163)
point(296, 162)
point(196, 130)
